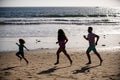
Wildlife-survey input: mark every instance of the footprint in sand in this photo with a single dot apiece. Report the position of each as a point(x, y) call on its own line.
point(7, 73)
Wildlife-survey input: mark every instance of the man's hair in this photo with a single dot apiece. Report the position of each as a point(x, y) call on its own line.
point(90, 28)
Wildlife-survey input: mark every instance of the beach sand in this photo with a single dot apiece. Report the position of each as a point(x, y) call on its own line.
point(41, 66)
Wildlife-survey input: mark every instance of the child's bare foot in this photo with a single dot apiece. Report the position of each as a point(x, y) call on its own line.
point(27, 62)
point(20, 59)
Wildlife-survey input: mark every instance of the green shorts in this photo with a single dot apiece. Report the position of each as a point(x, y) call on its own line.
point(90, 48)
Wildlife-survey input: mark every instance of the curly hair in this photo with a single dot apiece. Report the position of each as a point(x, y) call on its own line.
point(22, 41)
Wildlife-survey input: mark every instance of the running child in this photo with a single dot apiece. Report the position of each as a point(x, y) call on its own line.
point(20, 53)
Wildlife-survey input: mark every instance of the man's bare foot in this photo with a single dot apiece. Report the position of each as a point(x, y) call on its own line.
point(56, 63)
point(88, 63)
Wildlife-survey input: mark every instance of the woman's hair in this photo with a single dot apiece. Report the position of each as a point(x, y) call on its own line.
point(22, 41)
point(61, 35)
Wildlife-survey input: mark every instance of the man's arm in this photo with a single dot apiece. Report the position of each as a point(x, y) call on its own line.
point(85, 37)
point(97, 39)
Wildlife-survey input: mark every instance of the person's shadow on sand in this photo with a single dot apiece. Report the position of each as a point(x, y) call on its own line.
point(9, 68)
point(84, 69)
point(51, 70)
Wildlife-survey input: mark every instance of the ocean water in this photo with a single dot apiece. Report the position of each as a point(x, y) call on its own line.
point(39, 25)
point(59, 15)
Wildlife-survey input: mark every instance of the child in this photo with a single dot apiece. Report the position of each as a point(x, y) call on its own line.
point(20, 54)
point(92, 43)
point(62, 40)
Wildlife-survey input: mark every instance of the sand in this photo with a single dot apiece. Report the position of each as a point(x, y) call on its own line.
point(41, 66)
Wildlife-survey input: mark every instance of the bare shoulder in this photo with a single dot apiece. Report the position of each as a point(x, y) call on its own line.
point(95, 35)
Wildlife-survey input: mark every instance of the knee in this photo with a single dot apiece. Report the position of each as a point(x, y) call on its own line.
point(96, 53)
point(65, 53)
point(57, 53)
point(17, 54)
point(87, 52)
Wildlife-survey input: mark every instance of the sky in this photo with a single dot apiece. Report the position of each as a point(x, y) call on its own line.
point(62, 3)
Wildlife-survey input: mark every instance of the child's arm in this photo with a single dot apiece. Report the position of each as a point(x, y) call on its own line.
point(97, 39)
point(26, 48)
point(85, 37)
point(17, 44)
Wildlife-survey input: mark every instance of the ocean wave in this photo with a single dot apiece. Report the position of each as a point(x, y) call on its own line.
point(80, 21)
point(77, 15)
point(60, 15)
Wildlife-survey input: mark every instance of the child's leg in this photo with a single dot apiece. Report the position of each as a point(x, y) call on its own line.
point(98, 55)
point(88, 55)
point(24, 58)
point(65, 52)
point(18, 55)
point(58, 52)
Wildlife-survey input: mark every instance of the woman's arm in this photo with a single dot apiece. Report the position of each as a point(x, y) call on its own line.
point(66, 40)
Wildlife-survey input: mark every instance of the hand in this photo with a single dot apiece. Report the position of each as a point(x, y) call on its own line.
point(84, 36)
point(17, 43)
point(56, 42)
point(96, 43)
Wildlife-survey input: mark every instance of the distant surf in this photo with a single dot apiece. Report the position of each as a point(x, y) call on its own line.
point(59, 15)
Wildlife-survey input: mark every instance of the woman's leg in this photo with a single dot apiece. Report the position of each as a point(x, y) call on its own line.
point(58, 53)
point(66, 54)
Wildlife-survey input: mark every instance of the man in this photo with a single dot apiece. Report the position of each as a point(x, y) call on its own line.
point(92, 43)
